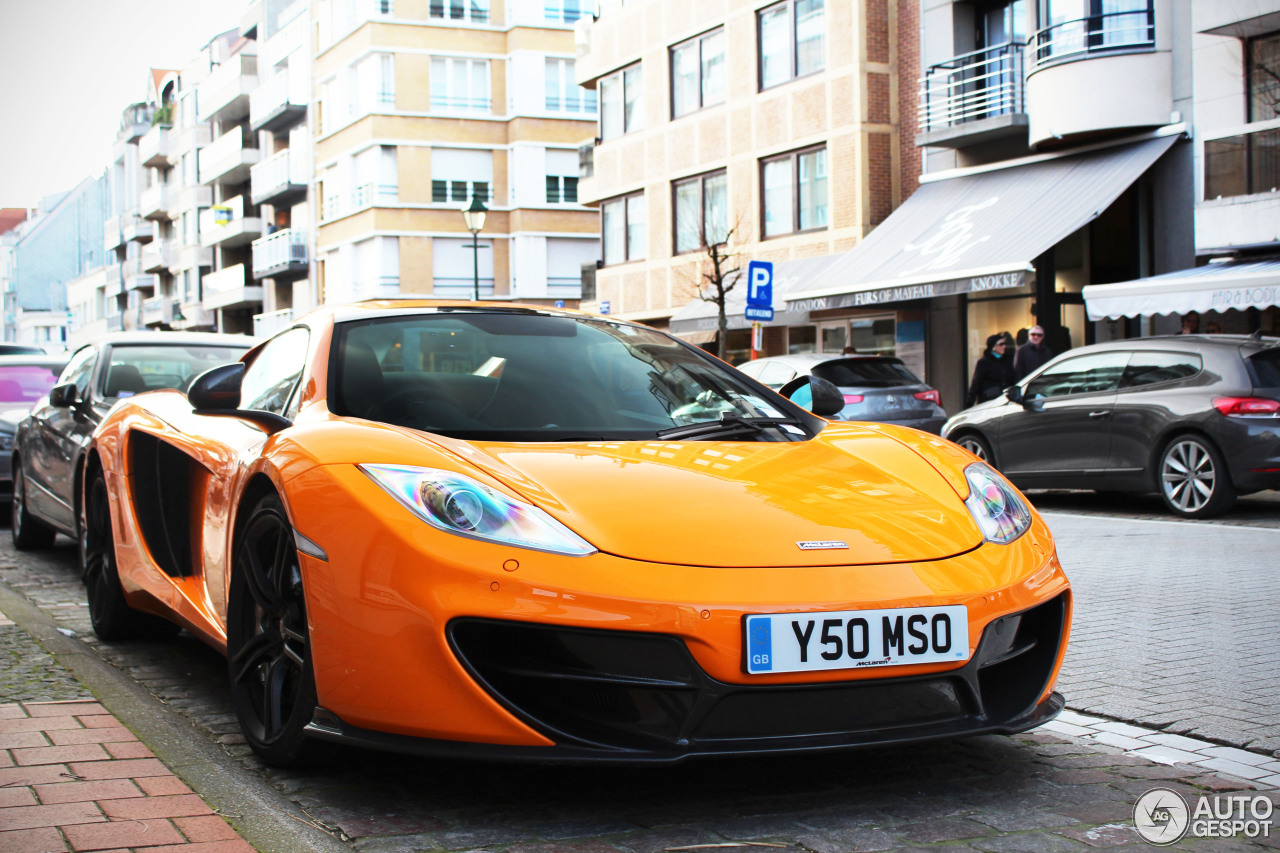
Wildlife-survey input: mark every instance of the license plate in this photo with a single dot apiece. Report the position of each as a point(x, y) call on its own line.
point(850, 639)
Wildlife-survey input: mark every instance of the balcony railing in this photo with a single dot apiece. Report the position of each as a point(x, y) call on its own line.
point(154, 148)
point(157, 311)
point(229, 287)
point(279, 101)
point(281, 252)
point(1242, 165)
point(160, 255)
point(155, 202)
point(290, 38)
point(460, 288)
point(283, 173)
point(266, 325)
point(375, 288)
point(224, 94)
point(113, 282)
point(1111, 31)
point(461, 104)
point(972, 86)
point(134, 227)
point(228, 158)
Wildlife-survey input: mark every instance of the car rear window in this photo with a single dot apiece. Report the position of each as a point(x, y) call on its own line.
point(1266, 368)
point(867, 372)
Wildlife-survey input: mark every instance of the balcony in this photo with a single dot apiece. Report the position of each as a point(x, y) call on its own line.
point(289, 39)
point(224, 94)
point(1098, 75)
point(113, 281)
point(135, 121)
point(134, 276)
point(156, 311)
point(229, 288)
point(226, 225)
point(228, 158)
point(973, 98)
point(281, 255)
point(279, 179)
point(193, 257)
point(190, 139)
point(159, 256)
point(1241, 206)
point(134, 227)
point(112, 238)
point(279, 102)
point(115, 322)
point(190, 198)
point(155, 149)
point(266, 325)
point(156, 202)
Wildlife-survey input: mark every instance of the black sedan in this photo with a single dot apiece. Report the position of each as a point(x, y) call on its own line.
point(48, 451)
point(875, 387)
point(1195, 418)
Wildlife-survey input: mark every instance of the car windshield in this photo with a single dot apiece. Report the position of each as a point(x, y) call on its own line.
point(521, 376)
point(866, 373)
point(151, 367)
point(23, 384)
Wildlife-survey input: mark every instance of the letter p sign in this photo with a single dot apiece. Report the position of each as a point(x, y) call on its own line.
point(759, 291)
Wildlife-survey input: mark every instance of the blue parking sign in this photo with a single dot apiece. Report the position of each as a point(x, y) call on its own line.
point(759, 291)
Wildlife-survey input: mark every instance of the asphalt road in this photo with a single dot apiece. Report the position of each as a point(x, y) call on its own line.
point(1137, 650)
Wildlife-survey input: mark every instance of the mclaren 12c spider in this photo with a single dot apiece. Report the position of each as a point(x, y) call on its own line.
point(514, 532)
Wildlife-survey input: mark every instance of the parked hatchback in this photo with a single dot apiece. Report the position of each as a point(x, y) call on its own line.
point(1195, 418)
point(875, 387)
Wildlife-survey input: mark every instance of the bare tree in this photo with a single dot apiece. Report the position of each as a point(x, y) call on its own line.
point(718, 274)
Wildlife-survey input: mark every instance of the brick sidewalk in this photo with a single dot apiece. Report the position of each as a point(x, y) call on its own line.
point(73, 779)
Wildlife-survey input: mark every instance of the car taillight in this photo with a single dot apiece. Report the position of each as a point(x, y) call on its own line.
point(850, 399)
point(1247, 406)
point(932, 396)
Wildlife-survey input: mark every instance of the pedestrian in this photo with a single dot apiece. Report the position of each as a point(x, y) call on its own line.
point(993, 372)
point(1213, 328)
point(1190, 324)
point(1032, 354)
point(849, 350)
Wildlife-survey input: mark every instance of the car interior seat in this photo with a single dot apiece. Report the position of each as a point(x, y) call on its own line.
point(124, 378)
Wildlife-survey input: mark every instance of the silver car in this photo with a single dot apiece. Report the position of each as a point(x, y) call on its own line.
point(875, 387)
point(24, 380)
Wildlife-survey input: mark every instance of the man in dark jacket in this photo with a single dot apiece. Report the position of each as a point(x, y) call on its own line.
point(993, 372)
point(1032, 354)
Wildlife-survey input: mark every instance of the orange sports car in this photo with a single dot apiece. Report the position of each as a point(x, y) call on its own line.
point(510, 531)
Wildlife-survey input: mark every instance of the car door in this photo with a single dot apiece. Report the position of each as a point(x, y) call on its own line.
point(1061, 434)
point(48, 461)
point(1156, 390)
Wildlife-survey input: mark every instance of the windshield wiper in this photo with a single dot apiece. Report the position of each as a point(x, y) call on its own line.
point(728, 425)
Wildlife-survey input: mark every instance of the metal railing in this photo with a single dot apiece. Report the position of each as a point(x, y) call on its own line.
point(460, 288)
point(279, 250)
point(972, 86)
point(1130, 29)
point(582, 103)
point(461, 104)
point(267, 324)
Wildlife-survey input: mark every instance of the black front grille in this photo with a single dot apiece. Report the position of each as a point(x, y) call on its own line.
point(644, 693)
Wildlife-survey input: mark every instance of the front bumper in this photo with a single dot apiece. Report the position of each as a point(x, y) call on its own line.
point(626, 697)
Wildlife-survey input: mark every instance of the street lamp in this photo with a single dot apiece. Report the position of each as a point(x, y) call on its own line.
point(473, 216)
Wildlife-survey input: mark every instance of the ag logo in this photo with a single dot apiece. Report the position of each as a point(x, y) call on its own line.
point(1161, 816)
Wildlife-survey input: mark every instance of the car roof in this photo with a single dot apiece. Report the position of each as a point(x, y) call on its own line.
point(419, 305)
point(1192, 342)
point(811, 359)
point(33, 359)
point(172, 338)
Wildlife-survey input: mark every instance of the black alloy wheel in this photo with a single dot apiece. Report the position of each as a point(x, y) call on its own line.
point(1193, 478)
point(111, 616)
point(29, 533)
point(268, 646)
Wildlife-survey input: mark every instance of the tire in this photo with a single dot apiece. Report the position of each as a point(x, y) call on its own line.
point(111, 616)
point(1193, 478)
point(977, 445)
point(29, 533)
point(272, 682)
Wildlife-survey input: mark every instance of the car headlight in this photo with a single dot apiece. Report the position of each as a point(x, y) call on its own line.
point(1000, 511)
point(457, 504)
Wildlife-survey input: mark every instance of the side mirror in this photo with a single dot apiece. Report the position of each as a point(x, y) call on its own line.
point(63, 396)
point(217, 392)
point(217, 388)
point(815, 394)
point(1013, 393)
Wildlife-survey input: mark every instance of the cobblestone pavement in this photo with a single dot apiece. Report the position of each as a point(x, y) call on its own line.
point(1048, 790)
point(1261, 509)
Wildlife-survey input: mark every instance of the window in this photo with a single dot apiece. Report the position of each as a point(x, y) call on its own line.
point(1242, 165)
point(459, 192)
point(1072, 27)
point(386, 80)
point(792, 41)
point(623, 229)
point(1263, 71)
point(475, 11)
point(1149, 368)
point(564, 95)
point(457, 174)
point(1088, 374)
point(562, 11)
point(701, 211)
point(697, 73)
point(562, 188)
point(460, 85)
point(620, 103)
point(269, 382)
point(794, 190)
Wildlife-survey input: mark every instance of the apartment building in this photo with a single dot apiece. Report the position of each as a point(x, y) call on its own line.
point(776, 131)
point(421, 107)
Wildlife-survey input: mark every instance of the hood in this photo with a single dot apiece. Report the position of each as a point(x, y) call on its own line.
point(744, 504)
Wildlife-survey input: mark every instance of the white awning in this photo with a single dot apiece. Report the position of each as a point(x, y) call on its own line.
point(1212, 287)
point(979, 230)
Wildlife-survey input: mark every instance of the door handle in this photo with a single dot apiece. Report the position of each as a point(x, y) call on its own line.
point(1102, 414)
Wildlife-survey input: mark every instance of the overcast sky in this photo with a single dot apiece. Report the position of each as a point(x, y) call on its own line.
point(67, 70)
